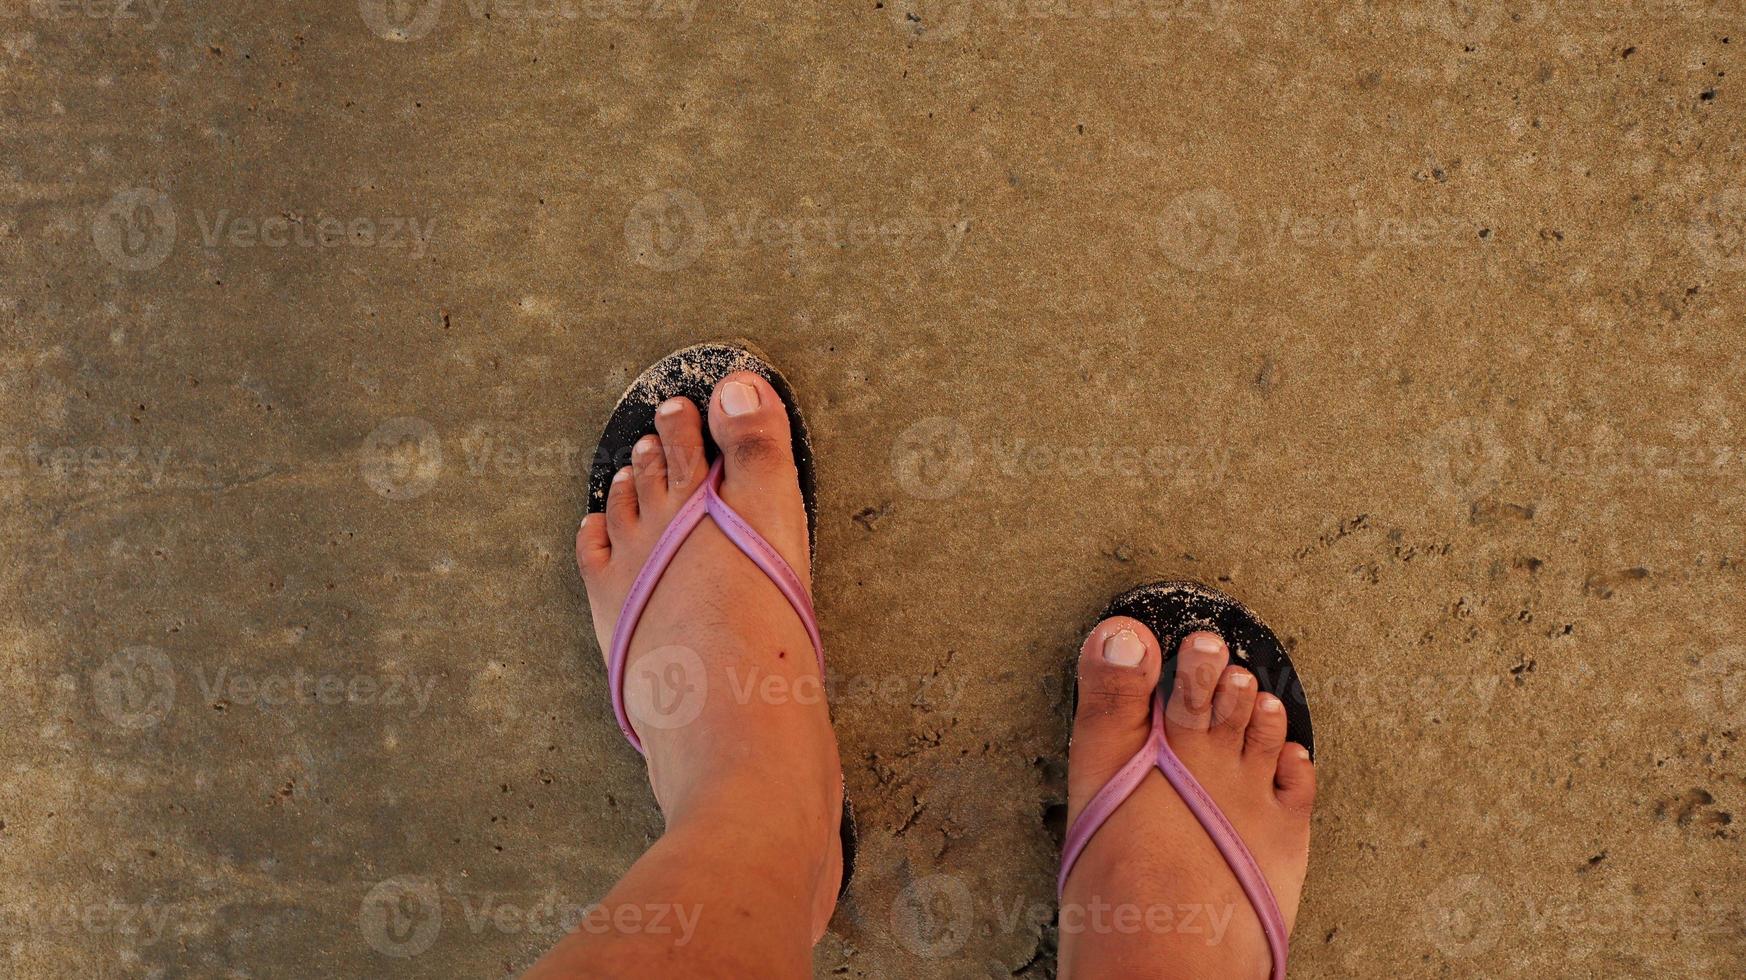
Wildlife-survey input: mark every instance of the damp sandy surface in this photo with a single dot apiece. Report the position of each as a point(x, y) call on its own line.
point(1417, 329)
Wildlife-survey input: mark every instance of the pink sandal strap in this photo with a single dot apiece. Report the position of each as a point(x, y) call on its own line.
point(1157, 752)
point(704, 502)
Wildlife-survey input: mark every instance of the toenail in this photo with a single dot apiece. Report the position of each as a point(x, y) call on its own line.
point(738, 398)
point(645, 446)
point(1207, 643)
point(671, 406)
point(621, 476)
point(1269, 703)
point(1240, 680)
point(1300, 752)
point(1124, 649)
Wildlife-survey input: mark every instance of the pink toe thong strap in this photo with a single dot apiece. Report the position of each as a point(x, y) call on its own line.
point(1157, 752)
point(706, 501)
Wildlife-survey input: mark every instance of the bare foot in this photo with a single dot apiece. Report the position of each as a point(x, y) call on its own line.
point(1150, 895)
point(721, 682)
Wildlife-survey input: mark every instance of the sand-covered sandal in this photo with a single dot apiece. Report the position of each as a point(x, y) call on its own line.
point(694, 372)
point(1173, 610)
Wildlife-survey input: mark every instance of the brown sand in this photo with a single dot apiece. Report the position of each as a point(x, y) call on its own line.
point(1417, 328)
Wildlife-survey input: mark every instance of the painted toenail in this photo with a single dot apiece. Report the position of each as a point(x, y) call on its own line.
point(1124, 649)
point(1269, 703)
point(671, 406)
point(738, 398)
point(1207, 643)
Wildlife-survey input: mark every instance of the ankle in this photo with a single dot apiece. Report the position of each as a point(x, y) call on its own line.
point(782, 757)
point(783, 799)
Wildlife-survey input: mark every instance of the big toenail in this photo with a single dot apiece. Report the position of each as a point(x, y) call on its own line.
point(671, 406)
point(738, 398)
point(1207, 643)
point(1123, 648)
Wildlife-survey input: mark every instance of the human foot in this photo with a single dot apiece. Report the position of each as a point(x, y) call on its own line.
point(1151, 895)
point(721, 682)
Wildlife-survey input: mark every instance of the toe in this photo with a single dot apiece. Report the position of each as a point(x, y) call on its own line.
point(1233, 702)
point(759, 480)
point(593, 546)
point(1118, 671)
point(1266, 729)
point(750, 425)
point(649, 469)
point(1200, 661)
point(681, 427)
point(621, 503)
point(1295, 780)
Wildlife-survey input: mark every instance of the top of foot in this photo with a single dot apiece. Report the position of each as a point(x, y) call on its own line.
point(1152, 853)
point(721, 682)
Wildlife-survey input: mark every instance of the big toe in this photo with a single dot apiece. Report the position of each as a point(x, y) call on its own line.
point(750, 424)
point(1118, 671)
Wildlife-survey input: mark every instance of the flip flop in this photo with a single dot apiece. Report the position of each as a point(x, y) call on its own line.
point(1172, 610)
point(693, 373)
